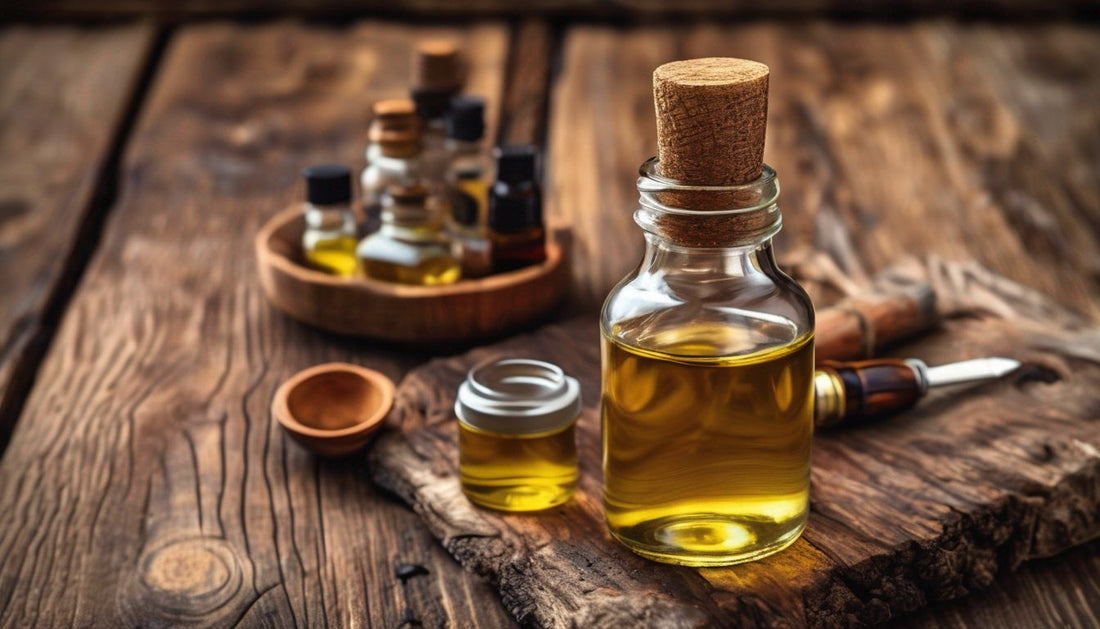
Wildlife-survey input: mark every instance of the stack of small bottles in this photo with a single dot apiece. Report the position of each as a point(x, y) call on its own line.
point(431, 215)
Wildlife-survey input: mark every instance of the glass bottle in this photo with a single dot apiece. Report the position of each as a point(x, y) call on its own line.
point(329, 239)
point(431, 106)
point(467, 177)
point(392, 155)
point(708, 369)
point(516, 435)
point(438, 75)
point(409, 248)
point(515, 210)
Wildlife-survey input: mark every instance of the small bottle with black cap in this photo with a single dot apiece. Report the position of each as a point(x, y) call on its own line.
point(329, 239)
point(469, 184)
point(515, 210)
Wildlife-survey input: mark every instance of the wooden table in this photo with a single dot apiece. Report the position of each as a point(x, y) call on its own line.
point(143, 481)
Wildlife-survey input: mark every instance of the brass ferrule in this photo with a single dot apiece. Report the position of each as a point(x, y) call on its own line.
point(829, 400)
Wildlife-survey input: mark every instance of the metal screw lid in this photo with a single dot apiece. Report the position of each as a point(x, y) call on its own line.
point(518, 396)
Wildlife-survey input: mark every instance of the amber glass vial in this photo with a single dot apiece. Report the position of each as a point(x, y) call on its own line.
point(708, 369)
point(517, 449)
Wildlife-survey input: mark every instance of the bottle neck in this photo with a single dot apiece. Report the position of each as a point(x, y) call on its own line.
point(702, 265)
point(409, 222)
point(329, 217)
point(695, 217)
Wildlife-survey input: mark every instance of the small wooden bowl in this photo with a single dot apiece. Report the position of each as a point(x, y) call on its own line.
point(467, 310)
point(335, 408)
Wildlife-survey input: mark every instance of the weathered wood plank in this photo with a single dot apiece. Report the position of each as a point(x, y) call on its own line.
point(1062, 591)
point(964, 141)
point(926, 507)
point(63, 94)
point(147, 484)
point(614, 9)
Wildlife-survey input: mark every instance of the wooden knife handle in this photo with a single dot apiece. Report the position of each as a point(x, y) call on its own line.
point(857, 327)
point(851, 392)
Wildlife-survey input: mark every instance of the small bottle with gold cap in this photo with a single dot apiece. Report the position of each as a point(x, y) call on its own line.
point(516, 443)
point(409, 248)
point(392, 154)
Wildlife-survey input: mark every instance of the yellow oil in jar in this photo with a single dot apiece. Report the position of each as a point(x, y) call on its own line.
point(706, 456)
point(333, 255)
point(517, 472)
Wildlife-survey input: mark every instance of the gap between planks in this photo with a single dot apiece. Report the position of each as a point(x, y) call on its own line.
point(31, 339)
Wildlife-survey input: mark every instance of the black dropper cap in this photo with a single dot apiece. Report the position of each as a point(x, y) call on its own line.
point(431, 104)
point(516, 163)
point(466, 119)
point(327, 184)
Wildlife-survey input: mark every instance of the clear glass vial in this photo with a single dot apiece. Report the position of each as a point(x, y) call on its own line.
point(708, 373)
point(410, 247)
point(329, 239)
point(516, 441)
point(467, 177)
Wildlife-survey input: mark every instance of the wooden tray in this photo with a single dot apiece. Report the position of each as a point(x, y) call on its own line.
point(925, 506)
point(467, 310)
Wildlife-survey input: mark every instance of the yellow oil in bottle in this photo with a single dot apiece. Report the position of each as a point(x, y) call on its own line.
point(429, 272)
point(517, 472)
point(333, 255)
point(706, 454)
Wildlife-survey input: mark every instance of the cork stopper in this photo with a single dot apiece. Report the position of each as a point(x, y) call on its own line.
point(711, 117)
point(437, 66)
point(395, 127)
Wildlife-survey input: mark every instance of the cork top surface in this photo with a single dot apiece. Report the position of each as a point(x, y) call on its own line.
point(711, 71)
point(394, 107)
point(712, 114)
point(437, 65)
point(436, 48)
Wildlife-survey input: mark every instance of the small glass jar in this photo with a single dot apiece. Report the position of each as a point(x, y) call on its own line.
point(708, 371)
point(516, 441)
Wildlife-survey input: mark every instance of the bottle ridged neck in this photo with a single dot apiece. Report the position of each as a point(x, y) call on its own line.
point(696, 216)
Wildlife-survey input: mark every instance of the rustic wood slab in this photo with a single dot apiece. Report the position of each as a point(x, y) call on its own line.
point(146, 483)
point(58, 124)
point(928, 506)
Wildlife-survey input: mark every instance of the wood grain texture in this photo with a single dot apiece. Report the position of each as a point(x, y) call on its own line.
point(963, 141)
point(58, 120)
point(615, 9)
point(927, 507)
point(146, 483)
point(528, 84)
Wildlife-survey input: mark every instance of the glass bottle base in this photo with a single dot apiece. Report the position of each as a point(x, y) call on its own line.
point(705, 540)
point(529, 497)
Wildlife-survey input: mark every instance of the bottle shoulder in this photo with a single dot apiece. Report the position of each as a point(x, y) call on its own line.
point(386, 248)
point(734, 314)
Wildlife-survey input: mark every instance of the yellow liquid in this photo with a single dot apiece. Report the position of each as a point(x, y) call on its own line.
point(429, 272)
point(706, 458)
point(517, 472)
point(333, 255)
